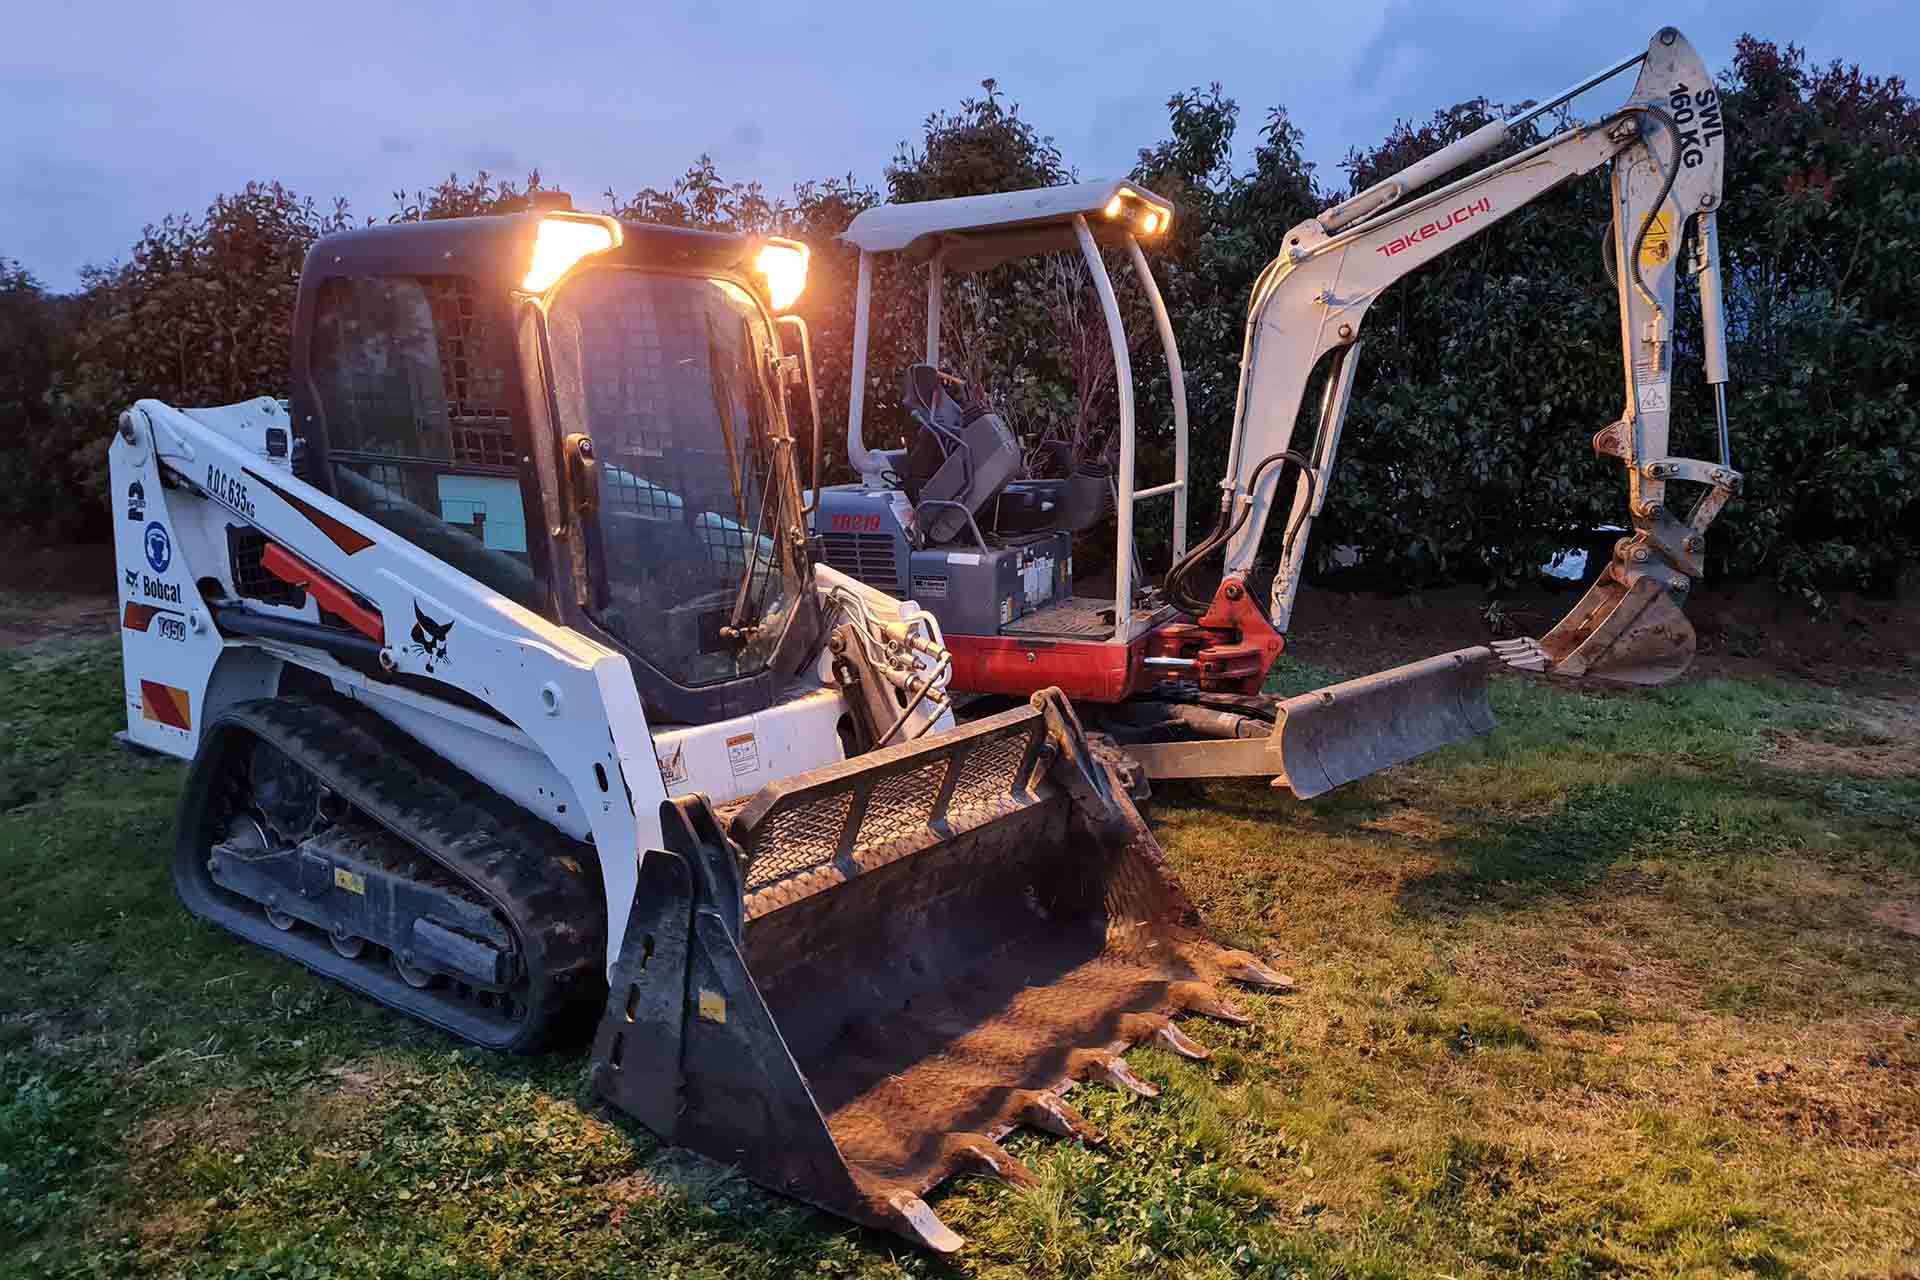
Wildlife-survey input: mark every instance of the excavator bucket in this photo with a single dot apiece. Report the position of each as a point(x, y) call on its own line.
point(1334, 735)
point(1631, 634)
point(857, 983)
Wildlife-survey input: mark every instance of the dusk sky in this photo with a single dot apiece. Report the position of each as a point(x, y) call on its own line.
point(119, 112)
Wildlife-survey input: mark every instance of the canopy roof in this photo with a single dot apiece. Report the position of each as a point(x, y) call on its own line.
point(977, 232)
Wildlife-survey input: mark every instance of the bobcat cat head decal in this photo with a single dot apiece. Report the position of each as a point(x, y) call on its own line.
point(429, 639)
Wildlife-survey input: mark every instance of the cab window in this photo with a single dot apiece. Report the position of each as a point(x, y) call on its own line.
point(415, 384)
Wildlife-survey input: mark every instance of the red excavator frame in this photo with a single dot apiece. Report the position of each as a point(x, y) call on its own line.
point(1231, 649)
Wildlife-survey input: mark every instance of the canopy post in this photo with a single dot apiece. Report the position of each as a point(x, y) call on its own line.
point(1178, 383)
point(857, 456)
point(936, 275)
point(1123, 388)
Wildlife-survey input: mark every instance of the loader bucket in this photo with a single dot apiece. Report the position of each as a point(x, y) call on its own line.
point(874, 971)
point(1346, 731)
point(1633, 635)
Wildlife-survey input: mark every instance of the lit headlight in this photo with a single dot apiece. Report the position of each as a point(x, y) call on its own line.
point(783, 265)
point(559, 244)
point(1150, 220)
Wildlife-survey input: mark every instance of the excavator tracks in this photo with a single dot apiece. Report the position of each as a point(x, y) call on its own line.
point(316, 829)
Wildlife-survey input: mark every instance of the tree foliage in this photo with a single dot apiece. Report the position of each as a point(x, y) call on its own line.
point(1482, 378)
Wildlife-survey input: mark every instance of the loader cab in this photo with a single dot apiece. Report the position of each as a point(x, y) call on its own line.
point(588, 416)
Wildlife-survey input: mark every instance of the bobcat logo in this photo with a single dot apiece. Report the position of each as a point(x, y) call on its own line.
point(429, 639)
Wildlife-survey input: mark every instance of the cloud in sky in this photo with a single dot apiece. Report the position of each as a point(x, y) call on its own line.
point(156, 106)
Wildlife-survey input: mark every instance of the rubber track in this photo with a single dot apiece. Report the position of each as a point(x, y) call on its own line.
point(543, 881)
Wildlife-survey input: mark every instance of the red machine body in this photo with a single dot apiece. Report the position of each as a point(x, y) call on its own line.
point(1229, 650)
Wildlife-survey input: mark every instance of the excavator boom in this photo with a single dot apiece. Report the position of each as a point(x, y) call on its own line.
point(1666, 146)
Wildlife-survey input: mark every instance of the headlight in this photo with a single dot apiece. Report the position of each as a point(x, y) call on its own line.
point(559, 244)
point(783, 265)
point(1152, 219)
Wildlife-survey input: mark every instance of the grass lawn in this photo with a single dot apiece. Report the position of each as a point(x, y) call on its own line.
point(1632, 986)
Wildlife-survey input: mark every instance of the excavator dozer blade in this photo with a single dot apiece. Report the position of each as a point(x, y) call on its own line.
point(871, 973)
point(1332, 736)
point(1632, 635)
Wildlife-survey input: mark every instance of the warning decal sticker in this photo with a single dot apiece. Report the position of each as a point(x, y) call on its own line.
point(743, 755)
point(1657, 247)
point(164, 704)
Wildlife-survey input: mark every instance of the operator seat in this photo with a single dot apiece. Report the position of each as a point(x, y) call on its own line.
point(965, 454)
point(960, 459)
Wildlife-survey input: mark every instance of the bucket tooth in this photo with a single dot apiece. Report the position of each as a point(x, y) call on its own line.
point(1244, 966)
point(1523, 654)
point(982, 1154)
point(1198, 997)
point(1159, 1029)
point(1054, 1114)
point(1111, 1069)
point(915, 1219)
point(1172, 1038)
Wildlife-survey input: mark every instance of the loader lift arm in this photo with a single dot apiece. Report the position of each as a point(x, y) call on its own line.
point(1666, 145)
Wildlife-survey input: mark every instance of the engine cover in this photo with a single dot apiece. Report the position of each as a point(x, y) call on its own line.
point(972, 590)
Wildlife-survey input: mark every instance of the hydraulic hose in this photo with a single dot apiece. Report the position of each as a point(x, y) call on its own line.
point(1608, 254)
point(946, 661)
point(1225, 529)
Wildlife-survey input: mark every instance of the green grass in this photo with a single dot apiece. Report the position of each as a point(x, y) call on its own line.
point(1600, 994)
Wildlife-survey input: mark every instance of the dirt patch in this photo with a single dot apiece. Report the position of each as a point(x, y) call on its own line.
point(633, 1189)
point(48, 592)
point(225, 1121)
point(1833, 759)
point(358, 1079)
point(165, 1228)
point(1746, 629)
point(80, 570)
point(1417, 827)
point(1871, 738)
point(1867, 1099)
point(1901, 917)
point(25, 619)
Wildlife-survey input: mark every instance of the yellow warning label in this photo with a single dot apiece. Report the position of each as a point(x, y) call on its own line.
point(345, 879)
point(743, 755)
point(713, 1006)
point(1657, 247)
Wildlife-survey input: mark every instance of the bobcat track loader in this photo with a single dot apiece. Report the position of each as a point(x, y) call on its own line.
point(514, 697)
point(1176, 676)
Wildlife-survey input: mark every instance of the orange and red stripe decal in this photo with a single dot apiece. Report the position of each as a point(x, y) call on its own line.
point(166, 705)
point(139, 617)
point(349, 540)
